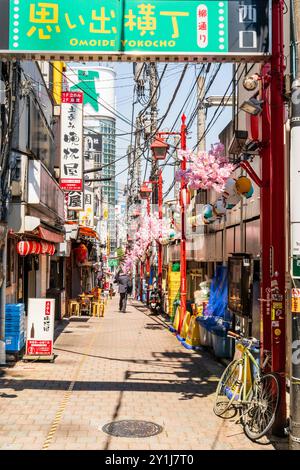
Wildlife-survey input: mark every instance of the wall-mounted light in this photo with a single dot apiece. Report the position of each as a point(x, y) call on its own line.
point(238, 141)
point(252, 106)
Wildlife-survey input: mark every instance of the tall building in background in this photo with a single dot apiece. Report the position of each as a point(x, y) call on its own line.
point(120, 211)
point(98, 84)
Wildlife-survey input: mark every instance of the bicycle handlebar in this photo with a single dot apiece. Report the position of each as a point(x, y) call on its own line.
point(246, 341)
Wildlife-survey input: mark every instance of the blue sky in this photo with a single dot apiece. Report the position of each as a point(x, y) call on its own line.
point(124, 94)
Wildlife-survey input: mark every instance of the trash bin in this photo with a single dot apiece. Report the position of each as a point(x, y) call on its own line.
point(205, 324)
point(222, 345)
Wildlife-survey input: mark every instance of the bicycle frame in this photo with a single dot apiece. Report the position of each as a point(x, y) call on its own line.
point(246, 390)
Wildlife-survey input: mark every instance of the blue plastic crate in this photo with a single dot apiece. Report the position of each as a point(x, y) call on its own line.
point(14, 343)
point(15, 307)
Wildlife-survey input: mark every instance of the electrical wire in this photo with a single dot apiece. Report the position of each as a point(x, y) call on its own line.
point(112, 110)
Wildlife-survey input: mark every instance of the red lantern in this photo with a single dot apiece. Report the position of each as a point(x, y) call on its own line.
point(23, 248)
point(44, 247)
point(81, 253)
point(29, 248)
point(36, 248)
point(52, 249)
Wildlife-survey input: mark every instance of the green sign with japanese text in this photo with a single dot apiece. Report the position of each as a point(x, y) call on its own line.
point(154, 27)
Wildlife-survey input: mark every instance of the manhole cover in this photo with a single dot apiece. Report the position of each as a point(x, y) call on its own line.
point(83, 326)
point(132, 428)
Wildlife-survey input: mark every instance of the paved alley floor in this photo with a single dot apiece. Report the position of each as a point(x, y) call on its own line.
point(122, 366)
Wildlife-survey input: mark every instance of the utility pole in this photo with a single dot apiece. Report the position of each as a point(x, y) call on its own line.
point(11, 86)
point(154, 102)
point(278, 213)
point(201, 125)
point(183, 195)
point(294, 436)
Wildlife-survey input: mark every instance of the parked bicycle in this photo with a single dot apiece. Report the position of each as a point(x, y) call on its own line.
point(246, 388)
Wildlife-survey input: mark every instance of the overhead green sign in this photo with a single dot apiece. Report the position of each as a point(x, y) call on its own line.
point(154, 27)
point(113, 263)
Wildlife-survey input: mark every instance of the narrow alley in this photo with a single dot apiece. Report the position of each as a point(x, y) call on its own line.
point(125, 366)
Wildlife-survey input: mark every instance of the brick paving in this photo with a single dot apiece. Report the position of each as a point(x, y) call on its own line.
point(122, 366)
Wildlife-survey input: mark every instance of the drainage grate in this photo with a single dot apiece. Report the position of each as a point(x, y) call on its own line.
point(132, 428)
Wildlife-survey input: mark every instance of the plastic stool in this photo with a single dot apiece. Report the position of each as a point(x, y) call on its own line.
point(74, 308)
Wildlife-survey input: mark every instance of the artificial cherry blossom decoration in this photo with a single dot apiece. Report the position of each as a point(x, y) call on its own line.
point(151, 229)
point(207, 170)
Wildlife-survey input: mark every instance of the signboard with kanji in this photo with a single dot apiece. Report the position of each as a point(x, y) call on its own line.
point(110, 28)
point(71, 141)
point(40, 327)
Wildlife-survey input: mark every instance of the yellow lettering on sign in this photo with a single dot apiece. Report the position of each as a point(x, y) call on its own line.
point(103, 20)
point(44, 14)
point(174, 15)
point(145, 21)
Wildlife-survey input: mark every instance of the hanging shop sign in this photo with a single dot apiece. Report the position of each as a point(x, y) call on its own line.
point(40, 328)
point(71, 178)
point(295, 308)
point(86, 217)
point(75, 200)
point(123, 27)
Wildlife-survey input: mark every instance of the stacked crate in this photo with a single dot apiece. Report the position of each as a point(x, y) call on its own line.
point(14, 327)
point(173, 289)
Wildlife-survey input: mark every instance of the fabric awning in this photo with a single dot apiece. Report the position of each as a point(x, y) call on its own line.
point(50, 236)
point(88, 232)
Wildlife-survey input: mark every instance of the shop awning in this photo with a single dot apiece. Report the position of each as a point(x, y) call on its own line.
point(50, 236)
point(88, 232)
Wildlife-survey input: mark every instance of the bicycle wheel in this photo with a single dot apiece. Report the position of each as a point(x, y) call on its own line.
point(262, 409)
point(228, 387)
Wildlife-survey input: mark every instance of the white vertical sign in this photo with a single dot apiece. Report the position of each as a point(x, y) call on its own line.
point(40, 327)
point(71, 168)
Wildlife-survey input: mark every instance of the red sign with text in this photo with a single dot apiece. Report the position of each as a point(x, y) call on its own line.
point(39, 348)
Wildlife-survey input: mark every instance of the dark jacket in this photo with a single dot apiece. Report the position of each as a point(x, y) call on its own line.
point(124, 282)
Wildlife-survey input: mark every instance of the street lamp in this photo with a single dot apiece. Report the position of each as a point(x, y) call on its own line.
point(159, 148)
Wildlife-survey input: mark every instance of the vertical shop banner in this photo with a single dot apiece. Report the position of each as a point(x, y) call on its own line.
point(71, 168)
point(40, 327)
point(75, 200)
point(86, 217)
point(120, 27)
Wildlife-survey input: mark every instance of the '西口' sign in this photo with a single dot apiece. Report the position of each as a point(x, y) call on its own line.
point(112, 29)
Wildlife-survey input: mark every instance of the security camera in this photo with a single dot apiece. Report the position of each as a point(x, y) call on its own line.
point(251, 83)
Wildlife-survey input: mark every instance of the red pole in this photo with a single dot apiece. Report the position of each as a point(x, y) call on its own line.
point(265, 220)
point(160, 216)
point(148, 258)
point(278, 213)
point(183, 189)
point(141, 281)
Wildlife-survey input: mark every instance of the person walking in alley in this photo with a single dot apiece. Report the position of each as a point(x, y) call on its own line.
point(125, 284)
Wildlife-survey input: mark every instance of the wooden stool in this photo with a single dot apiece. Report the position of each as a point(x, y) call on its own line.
point(74, 308)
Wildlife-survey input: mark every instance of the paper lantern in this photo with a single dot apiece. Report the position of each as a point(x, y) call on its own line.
point(29, 248)
point(172, 233)
point(208, 215)
point(23, 248)
point(250, 193)
point(220, 207)
point(81, 253)
point(232, 201)
point(230, 188)
point(52, 249)
point(243, 185)
point(36, 248)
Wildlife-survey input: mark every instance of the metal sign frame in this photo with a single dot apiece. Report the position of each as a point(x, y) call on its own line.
point(120, 55)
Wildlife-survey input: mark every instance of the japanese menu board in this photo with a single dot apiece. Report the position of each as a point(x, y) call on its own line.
point(40, 327)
